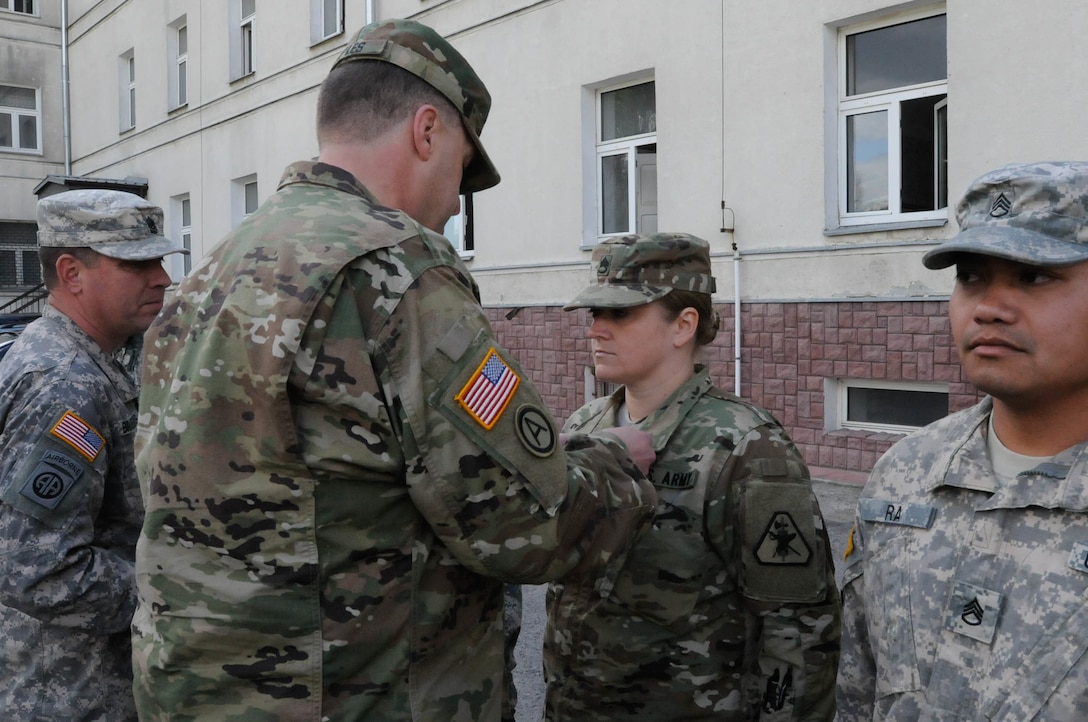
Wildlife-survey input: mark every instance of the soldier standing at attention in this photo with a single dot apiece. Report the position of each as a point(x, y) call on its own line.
point(70, 508)
point(966, 586)
point(726, 609)
point(340, 463)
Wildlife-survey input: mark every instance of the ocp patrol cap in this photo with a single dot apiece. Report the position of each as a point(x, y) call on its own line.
point(423, 52)
point(114, 223)
point(1033, 213)
point(638, 269)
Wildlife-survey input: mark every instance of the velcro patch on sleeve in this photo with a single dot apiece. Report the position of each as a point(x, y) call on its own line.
point(78, 434)
point(489, 390)
point(47, 484)
point(784, 553)
point(484, 394)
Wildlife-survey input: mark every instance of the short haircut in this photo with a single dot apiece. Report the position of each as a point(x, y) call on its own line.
point(49, 255)
point(363, 99)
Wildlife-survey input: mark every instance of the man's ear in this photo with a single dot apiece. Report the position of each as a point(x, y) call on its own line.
point(70, 273)
point(425, 124)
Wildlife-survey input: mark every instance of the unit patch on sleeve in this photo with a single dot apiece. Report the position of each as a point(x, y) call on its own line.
point(782, 549)
point(51, 479)
point(489, 390)
point(78, 434)
point(782, 543)
point(535, 430)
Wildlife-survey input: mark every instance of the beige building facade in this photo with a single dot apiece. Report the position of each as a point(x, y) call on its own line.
point(817, 145)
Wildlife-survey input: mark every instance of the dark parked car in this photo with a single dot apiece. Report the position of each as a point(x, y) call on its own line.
point(11, 325)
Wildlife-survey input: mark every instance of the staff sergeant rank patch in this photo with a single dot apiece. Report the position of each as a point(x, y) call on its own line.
point(489, 390)
point(78, 434)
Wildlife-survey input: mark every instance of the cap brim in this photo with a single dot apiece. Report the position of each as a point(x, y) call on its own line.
point(1010, 243)
point(144, 249)
point(616, 295)
point(481, 173)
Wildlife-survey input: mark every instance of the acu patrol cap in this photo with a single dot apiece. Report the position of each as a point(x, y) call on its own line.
point(1033, 213)
point(114, 223)
point(426, 54)
point(641, 268)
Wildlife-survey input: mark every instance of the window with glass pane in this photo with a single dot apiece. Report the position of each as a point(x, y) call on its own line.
point(131, 106)
point(894, 142)
point(185, 231)
point(18, 6)
point(867, 162)
point(18, 118)
point(249, 9)
point(628, 111)
point(458, 229)
point(331, 17)
point(626, 159)
point(183, 63)
point(32, 269)
point(894, 407)
point(251, 197)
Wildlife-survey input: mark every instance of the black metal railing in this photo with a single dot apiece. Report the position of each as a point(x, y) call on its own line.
point(29, 301)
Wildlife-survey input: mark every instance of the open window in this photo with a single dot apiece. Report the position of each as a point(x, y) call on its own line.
point(893, 123)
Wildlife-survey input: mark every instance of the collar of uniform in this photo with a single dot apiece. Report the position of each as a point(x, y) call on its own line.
point(961, 454)
point(325, 174)
point(1061, 482)
point(662, 422)
point(126, 387)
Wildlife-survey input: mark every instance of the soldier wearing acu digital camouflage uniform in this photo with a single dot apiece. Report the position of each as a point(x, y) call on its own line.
point(70, 508)
point(727, 608)
point(341, 466)
point(966, 586)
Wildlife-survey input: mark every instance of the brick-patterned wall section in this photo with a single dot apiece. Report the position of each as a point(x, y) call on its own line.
point(788, 350)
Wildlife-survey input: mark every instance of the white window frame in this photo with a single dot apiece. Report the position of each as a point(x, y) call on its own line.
point(243, 189)
point(326, 20)
point(127, 94)
point(182, 230)
point(458, 230)
point(242, 32)
point(836, 400)
point(887, 101)
point(18, 115)
point(626, 146)
point(178, 52)
point(19, 6)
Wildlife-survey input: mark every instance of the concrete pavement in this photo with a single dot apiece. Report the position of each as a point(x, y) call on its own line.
point(838, 497)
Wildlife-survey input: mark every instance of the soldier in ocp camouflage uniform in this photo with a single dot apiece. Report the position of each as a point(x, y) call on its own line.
point(341, 466)
point(726, 609)
point(966, 586)
point(70, 507)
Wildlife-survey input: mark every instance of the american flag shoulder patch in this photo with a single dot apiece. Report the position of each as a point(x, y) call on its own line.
point(78, 434)
point(489, 390)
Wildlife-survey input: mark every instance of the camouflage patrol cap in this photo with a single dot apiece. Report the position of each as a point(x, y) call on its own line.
point(638, 269)
point(426, 54)
point(1034, 213)
point(113, 223)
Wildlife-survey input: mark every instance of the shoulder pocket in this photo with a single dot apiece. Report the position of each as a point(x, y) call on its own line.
point(783, 552)
point(484, 393)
